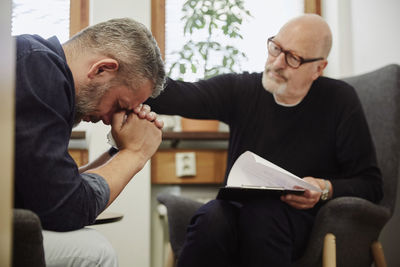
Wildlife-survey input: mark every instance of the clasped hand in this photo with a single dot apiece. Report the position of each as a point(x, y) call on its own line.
point(138, 131)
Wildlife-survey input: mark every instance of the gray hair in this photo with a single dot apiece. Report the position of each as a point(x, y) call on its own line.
point(131, 44)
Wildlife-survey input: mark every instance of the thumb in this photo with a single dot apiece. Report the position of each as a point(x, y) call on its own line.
point(118, 120)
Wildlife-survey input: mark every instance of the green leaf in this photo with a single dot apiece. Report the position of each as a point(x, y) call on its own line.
point(194, 69)
point(182, 68)
point(212, 18)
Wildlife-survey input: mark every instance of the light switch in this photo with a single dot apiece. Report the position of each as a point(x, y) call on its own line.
point(185, 163)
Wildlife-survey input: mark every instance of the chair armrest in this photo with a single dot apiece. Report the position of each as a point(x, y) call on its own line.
point(355, 222)
point(180, 210)
point(27, 239)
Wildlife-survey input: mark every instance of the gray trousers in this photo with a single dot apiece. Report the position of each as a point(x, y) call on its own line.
point(85, 247)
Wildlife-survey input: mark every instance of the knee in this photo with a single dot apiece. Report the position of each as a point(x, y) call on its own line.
point(268, 216)
point(104, 254)
point(216, 218)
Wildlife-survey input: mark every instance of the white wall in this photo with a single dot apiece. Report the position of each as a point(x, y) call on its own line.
point(131, 236)
point(7, 131)
point(376, 33)
point(365, 35)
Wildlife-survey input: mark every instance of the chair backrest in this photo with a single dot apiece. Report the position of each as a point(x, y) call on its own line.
point(379, 93)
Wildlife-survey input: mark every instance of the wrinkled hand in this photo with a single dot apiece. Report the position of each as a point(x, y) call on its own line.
point(306, 200)
point(138, 135)
point(144, 112)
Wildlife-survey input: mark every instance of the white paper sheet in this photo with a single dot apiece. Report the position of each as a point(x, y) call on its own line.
point(252, 170)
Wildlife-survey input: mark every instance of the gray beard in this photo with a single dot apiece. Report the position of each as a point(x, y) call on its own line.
point(87, 100)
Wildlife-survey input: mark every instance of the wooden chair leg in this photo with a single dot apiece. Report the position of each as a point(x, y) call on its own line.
point(329, 251)
point(169, 260)
point(377, 253)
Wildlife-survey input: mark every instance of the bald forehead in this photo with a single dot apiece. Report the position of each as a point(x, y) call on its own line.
point(308, 34)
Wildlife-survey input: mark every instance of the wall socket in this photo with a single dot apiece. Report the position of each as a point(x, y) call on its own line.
point(185, 163)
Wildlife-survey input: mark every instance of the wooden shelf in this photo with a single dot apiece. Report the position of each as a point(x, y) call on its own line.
point(195, 135)
point(176, 137)
point(78, 135)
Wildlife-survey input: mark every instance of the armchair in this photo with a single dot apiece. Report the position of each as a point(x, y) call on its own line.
point(357, 222)
point(27, 240)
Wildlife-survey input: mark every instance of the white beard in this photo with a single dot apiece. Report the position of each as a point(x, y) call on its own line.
point(276, 89)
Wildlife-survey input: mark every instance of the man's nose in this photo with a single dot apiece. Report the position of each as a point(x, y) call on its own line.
point(280, 61)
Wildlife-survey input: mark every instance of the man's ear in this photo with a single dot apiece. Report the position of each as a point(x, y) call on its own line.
point(320, 69)
point(103, 68)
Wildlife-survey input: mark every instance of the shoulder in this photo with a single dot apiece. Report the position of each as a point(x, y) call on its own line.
point(37, 55)
point(37, 49)
point(337, 97)
point(37, 60)
point(335, 89)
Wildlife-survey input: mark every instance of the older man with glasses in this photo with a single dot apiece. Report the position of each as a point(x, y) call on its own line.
point(310, 125)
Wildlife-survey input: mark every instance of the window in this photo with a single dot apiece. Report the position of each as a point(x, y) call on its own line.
point(49, 17)
point(268, 17)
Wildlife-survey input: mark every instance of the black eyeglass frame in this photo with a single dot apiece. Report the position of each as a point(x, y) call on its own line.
point(286, 52)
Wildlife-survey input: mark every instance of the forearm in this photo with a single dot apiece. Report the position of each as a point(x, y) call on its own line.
point(119, 170)
point(103, 158)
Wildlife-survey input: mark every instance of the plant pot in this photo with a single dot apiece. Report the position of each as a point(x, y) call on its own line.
point(192, 125)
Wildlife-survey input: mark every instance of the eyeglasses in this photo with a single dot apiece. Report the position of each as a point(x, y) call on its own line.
point(291, 59)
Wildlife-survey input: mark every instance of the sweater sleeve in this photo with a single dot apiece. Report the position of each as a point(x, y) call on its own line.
point(47, 180)
point(206, 99)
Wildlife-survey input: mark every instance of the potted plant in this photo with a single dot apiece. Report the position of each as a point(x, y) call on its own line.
point(206, 54)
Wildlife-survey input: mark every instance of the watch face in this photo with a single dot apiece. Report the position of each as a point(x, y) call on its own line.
point(325, 192)
point(324, 195)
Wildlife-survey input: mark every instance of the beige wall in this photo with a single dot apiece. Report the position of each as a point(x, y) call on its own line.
point(7, 131)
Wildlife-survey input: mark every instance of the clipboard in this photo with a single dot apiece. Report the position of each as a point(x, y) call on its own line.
point(254, 192)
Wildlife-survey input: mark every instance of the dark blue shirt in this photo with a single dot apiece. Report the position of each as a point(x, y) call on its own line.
point(47, 180)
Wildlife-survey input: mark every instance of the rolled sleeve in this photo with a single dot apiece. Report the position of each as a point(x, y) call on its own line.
point(100, 188)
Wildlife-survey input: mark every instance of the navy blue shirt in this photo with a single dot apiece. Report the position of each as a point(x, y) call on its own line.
point(47, 180)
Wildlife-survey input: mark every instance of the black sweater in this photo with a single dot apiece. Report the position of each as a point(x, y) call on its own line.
point(325, 136)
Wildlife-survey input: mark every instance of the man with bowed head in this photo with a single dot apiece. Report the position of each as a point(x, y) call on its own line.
point(289, 114)
point(105, 73)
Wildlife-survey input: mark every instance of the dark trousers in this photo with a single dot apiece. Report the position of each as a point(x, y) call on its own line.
point(262, 232)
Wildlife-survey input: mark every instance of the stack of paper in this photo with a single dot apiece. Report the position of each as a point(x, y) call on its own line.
point(252, 173)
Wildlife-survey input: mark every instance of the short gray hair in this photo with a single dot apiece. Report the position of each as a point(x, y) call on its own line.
point(131, 44)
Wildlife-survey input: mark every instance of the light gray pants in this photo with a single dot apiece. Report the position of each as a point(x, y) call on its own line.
point(85, 247)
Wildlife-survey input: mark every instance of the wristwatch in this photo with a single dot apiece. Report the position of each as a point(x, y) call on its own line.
point(325, 192)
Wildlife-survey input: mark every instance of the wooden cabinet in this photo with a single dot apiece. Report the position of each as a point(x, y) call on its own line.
point(78, 148)
point(210, 163)
point(79, 155)
point(210, 167)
